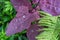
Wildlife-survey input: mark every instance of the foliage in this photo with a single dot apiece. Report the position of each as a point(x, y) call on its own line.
point(7, 13)
point(23, 18)
point(52, 24)
point(52, 7)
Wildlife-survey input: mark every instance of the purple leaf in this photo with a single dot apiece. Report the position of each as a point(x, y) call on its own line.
point(50, 6)
point(35, 1)
point(32, 32)
point(18, 3)
point(22, 21)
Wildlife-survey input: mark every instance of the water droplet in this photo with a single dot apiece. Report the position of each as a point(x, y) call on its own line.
point(24, 16)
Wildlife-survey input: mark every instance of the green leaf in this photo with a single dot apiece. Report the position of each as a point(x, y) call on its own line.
point(53, 30)
point(42, 13)
point(12, 37)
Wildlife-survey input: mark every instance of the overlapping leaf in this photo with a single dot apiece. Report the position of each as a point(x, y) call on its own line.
point(21, 21)
point(32, 31)
point(52, 32)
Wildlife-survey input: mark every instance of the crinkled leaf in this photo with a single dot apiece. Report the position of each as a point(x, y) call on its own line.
point(21, 21)
point(50, 6)
point(18, 3)
point(32, 32)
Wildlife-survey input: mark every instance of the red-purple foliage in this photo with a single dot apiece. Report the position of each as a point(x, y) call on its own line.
point(18, 3)
point(22, 21)
point(35, 1)
point(50, 6)
point(27, 14)
point(32, 31)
